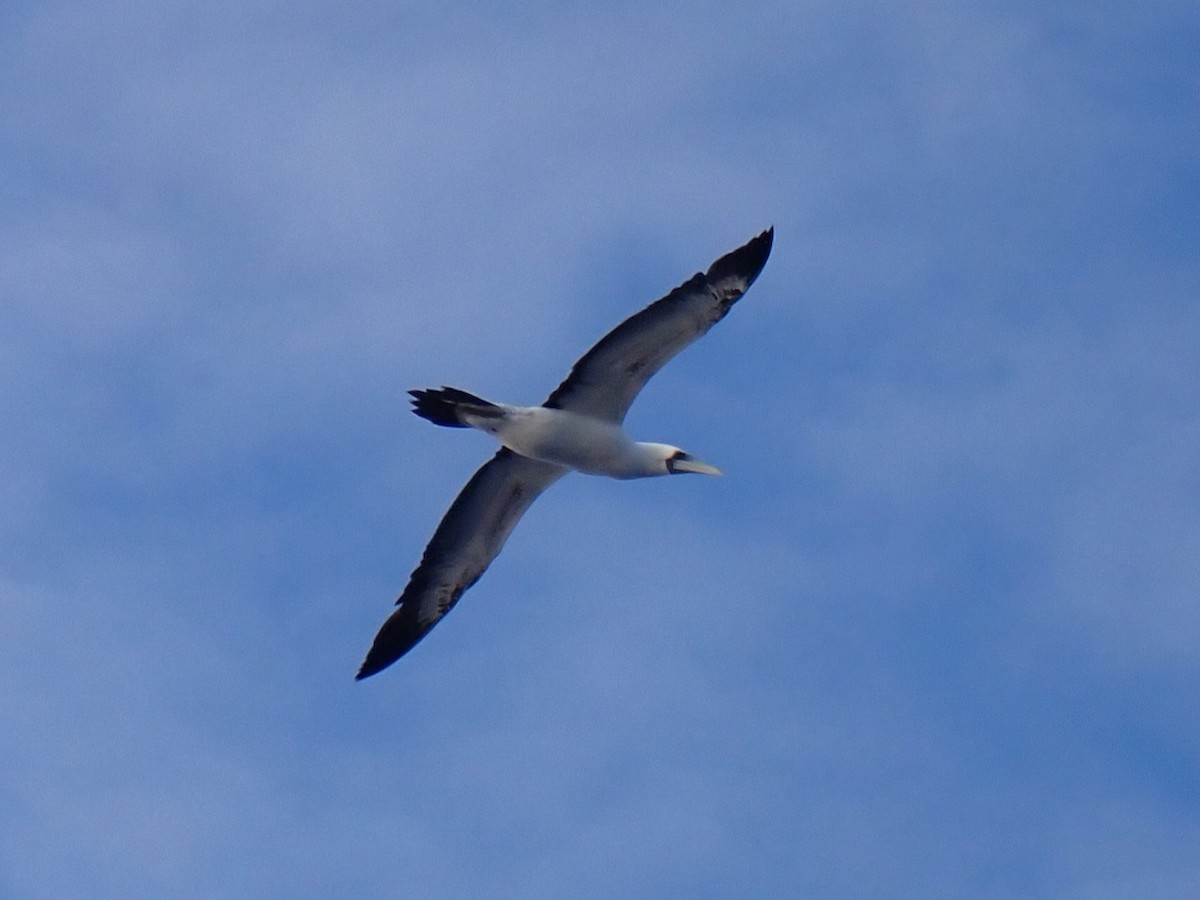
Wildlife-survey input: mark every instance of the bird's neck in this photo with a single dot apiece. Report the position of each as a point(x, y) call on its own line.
point(648, 460)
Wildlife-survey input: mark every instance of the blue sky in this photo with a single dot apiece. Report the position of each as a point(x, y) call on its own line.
point(934, 634)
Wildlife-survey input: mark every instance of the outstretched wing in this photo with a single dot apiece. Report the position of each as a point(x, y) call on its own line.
point(470, 535)
point(604, 383)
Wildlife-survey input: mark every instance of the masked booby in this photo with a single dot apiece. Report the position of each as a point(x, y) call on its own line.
point(579, 427)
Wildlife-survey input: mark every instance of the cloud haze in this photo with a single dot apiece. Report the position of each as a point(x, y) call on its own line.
point(933, 635)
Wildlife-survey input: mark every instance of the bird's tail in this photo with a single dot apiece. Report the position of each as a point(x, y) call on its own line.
point(443, 406)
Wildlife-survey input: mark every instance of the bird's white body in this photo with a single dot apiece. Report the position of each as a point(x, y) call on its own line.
point(578, 442)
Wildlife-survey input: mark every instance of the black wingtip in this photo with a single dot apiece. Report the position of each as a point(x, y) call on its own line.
point(400, 632)
point(374, 663)
point(377, 658)
point(746, 261)
point(385, 650)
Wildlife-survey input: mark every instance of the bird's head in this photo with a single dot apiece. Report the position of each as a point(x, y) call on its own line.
point(679, 462)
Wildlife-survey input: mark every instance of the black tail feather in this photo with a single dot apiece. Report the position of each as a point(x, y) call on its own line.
point(441, 406)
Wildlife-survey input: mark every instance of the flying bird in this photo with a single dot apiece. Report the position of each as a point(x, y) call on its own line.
point(579, 427)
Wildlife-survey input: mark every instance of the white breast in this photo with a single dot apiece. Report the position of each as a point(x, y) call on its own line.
point(569, 439)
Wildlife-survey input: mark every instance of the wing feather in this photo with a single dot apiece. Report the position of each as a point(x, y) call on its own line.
point(470, 535)
point(605, 381)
